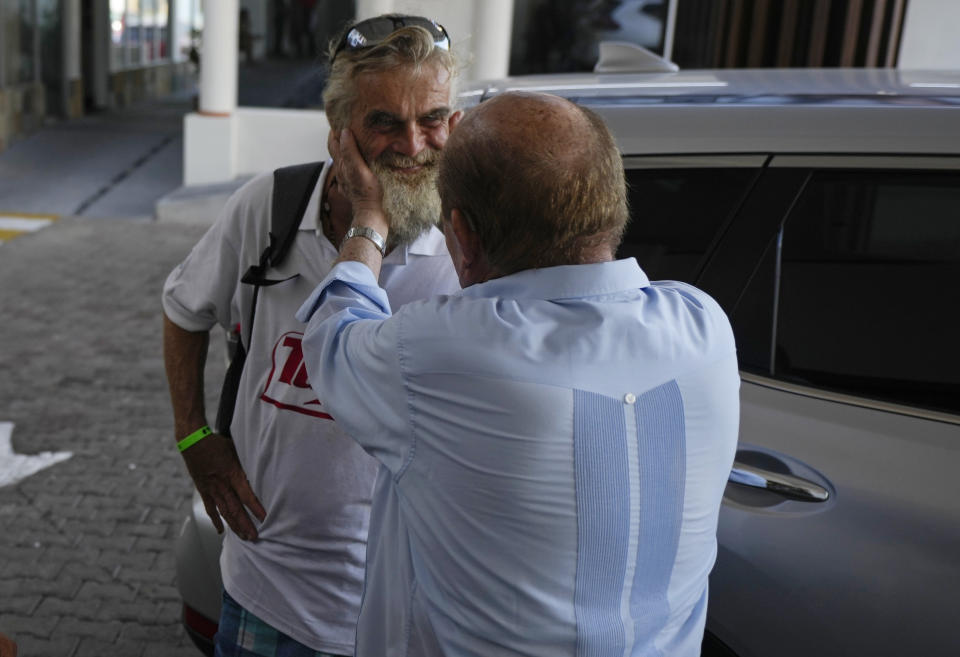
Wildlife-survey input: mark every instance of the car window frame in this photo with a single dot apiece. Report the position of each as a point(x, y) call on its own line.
point(811, 164)
point(754, 161)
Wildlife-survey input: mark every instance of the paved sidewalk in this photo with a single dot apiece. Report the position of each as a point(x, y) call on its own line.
point(92, 490)
point(113, 164)
point(86, 540)
point(86, 545)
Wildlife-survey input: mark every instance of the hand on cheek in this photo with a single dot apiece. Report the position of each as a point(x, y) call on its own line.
point(355, 179)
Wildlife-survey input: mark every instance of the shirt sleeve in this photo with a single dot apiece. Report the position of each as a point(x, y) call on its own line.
point(350, 349)
point(203, 290)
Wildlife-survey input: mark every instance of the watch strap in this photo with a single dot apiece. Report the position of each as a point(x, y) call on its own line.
point(370, 234)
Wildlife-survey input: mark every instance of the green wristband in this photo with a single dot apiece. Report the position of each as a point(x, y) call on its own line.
point(194, 437)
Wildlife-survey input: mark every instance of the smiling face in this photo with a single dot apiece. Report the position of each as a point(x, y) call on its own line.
point(401, 120)
point(401, 111)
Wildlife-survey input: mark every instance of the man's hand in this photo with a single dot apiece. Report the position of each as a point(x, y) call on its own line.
point(223, 485)
point(212, 462)
point(355, 180)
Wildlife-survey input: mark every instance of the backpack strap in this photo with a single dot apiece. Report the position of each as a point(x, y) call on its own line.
point(292, 188)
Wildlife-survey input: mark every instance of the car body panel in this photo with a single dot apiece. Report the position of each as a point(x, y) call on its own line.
point(766, 86)
point(764, 110)
point(197, 554)
point(878, 562)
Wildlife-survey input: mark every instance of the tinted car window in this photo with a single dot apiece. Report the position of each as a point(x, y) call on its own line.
point(676, 214)
point(870, 269)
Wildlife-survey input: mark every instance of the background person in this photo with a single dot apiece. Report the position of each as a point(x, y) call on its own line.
point(7, 646)
point(246, 36)
point(293, 578)
point(555, 439)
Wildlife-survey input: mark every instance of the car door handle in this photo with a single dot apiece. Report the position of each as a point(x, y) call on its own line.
point(778, 482)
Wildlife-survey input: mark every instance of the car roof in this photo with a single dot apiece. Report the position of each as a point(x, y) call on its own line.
point(743, 86)
point(763, 110)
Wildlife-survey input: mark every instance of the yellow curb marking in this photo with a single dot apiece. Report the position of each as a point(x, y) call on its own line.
point(13, 224)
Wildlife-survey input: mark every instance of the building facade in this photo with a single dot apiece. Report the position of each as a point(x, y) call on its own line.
point(64, 58)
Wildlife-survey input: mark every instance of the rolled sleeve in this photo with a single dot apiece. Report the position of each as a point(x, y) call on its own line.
point(204, 290)
point(199, 292)
point(350, 349)
point(350, 286)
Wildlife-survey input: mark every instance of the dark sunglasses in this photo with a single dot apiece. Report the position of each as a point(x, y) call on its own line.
point(373, 31)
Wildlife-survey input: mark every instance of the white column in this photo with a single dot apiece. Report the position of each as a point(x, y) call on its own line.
point(370, 8)
point(490, 42)
point(209, 149)
point(218, 57)
point(210, 135)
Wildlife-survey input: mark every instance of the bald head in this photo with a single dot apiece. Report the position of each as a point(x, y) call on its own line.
point(530, 126)
point(540, 180)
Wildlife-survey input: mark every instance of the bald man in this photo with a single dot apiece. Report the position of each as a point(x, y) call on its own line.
point(555, 439)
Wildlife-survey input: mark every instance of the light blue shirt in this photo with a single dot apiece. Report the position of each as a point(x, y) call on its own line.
point(554, 448)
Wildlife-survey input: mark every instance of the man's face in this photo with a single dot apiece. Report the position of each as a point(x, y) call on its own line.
point(401, 120)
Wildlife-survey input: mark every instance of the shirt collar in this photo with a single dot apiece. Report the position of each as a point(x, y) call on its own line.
point(564, 282)
point(430, 243)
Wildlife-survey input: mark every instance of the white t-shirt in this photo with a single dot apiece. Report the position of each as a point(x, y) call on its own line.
point(305, 573)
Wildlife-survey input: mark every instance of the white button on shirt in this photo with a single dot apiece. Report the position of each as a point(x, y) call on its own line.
point(555, 446)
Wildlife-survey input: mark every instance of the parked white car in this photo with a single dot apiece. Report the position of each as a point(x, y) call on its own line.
point(821, 208)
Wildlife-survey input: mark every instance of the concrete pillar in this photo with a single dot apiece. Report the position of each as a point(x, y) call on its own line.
point(71, 40)
point(492, 29)
point(72, 58)
point(209, 136)
point(97, 75)
point(218, 64)
point(209, 149)
point(370, 8)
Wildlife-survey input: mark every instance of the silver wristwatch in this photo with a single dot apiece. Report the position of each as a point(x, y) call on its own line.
point(370, 234)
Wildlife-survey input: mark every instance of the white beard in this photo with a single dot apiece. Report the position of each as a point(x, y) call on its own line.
point(410, 201)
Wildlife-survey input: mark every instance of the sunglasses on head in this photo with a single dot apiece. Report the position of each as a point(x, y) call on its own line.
point(373, 31)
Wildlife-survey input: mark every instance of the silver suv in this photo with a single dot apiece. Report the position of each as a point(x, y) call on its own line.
point(821, 208)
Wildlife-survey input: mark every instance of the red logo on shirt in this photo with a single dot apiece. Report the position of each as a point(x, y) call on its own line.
point(287, 386)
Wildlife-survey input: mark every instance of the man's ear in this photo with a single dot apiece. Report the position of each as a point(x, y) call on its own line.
point(474, 267)
point(455, 119)
point(467, 238)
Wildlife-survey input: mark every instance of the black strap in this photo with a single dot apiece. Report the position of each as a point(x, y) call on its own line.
point(292, 188)
point(228, 394)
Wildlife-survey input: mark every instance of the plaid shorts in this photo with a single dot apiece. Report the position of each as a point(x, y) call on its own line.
point(241, 634)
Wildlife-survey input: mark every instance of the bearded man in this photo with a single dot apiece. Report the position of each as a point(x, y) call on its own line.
point(293, 489)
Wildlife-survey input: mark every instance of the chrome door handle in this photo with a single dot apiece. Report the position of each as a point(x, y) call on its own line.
point(777, 482)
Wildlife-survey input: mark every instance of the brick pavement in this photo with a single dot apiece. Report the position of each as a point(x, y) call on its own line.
point(86, 546)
